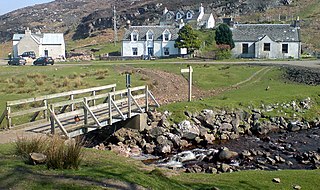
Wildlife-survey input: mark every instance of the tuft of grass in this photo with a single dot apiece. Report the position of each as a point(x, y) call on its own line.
point(24, 146)
point(39, 81)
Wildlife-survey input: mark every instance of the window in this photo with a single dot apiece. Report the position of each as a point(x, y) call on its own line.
point(266, 47)
point(134, 51)
point(245, 48)
point(166, 51)
point(134, 36)
point(166, 37)
point(284, 48)
point(150, 36)
point(178, 16)
point(189, 15)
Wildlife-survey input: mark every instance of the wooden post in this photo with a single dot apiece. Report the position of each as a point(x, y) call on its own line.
point(52, 120)
point(94, 100)
point(9, 120)
point(129, 103)
point(189, 70)
point(72, 105)
point(147, 98)
point(45, 112)
point(85, 112)
point(110, 109)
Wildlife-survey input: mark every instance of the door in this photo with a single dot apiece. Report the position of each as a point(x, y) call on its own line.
point(46, 53)
point(150, 51)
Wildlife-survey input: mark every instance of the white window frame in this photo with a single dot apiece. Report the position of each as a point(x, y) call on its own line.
point(148, 35)
point(164, 51)
point(166, 32)
point(134, 36)
point(189, 15)
point(133, 51)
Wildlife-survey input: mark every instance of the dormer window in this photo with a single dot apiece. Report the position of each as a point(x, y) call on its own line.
point(166, 35)
point(149, 35)
point(134, 36)
point(178, 16)
point(168, 16)
point(189, 15)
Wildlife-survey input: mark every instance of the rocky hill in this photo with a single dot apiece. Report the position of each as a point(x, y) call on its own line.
point(85, 18)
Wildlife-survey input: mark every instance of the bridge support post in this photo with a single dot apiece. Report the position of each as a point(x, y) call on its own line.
point(129, 102)
point(45, 112)
point(138, 122)
point(147, 98)
point(52, 123)
point(85, 112)
point(110, 108)
point(8, 117)
point(72, 105)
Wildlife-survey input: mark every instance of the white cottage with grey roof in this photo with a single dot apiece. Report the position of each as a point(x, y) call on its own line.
point(198, 19)
point(43, 44)
point(271, 41)
point(155, 41)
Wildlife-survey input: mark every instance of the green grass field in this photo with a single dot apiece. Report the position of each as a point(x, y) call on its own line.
point(30, 81)
point(98, 166)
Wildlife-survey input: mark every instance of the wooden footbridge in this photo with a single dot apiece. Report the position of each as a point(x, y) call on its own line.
point(77, 112)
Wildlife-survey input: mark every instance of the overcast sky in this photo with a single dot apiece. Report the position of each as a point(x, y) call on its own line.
point(10, 5)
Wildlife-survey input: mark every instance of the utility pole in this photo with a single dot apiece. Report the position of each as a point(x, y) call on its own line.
point(115, 26)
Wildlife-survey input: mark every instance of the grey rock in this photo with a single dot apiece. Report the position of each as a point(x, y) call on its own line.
point(209, 138)
point(245, 153)
point(279, 159)
point(298, 187)
point(156, 131)
point(271, 161)
point(225, 154)
point(226, 127)
point(188, 130)
point(225, 167)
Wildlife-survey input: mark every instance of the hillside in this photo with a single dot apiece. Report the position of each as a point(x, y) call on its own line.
point(83, 20)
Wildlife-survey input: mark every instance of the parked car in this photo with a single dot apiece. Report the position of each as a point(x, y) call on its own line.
point(17, 61)
point(28, 54)
point(44, 61)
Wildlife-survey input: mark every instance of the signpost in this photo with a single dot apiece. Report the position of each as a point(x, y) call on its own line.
point(189, 70)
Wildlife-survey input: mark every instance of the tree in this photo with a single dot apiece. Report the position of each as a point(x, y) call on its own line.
point(224, 35)
point(187, 38)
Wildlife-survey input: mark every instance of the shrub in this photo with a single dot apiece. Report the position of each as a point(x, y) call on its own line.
point(61, 154)
point(25, 146)
point(39, 81)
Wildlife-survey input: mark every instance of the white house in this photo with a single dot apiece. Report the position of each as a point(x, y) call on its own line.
point(198, 19)
point(155, 41)
point(43, 44)
point(272, 41)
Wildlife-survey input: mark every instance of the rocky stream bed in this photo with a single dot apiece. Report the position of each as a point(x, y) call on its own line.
point(215, 141)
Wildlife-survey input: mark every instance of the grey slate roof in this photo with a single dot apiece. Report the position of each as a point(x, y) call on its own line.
point(255, 32)
point(157, 32)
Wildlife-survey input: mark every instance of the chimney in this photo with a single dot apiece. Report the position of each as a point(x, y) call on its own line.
point(27, 32)
point(181, 24)
point(201, 9)
point(165, 10)
point(128, 24)
point(296, 23)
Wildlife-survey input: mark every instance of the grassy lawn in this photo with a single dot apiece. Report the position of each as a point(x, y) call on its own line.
point(100, 168)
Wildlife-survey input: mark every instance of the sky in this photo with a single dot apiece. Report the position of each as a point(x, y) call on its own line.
point(11, 5)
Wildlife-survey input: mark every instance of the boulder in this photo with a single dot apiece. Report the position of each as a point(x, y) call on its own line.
point(224, 167)
point(156, 131)
point(175, 139)
point(37, 158)
point(149, 148)
point(298, 187)
point(226, 155)
point(188, 130)
point(226, 127)
point(245, 153)
point(292, 126)
point(276, 180)
point(209, 138)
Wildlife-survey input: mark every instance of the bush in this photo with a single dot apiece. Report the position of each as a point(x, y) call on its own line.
point(25, 146)
point(61, 154)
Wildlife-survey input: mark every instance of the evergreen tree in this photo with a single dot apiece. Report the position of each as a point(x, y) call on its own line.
point(224, 35)
point(187, 39)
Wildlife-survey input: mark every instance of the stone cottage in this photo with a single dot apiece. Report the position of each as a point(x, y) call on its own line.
point(155, 41)
point(270, 41)
point(43, 44)
point(197, 19)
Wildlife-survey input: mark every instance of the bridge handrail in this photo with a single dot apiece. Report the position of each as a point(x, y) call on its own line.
point(58, 95)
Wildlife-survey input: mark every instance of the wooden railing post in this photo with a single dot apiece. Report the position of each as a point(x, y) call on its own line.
point(147, 98)
point(45, 112)
point(110, 108)
point(113, 90)
point(129, 102)
point(72, 105)
point(9, 120)
point(85, 112)
point(52, 120)
point(94, 100)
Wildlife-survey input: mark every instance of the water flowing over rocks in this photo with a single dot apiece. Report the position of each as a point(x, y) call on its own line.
point(216, 141)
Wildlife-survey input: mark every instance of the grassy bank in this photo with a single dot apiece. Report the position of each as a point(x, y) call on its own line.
point(104, 169)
